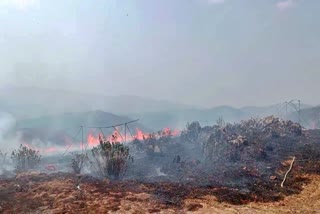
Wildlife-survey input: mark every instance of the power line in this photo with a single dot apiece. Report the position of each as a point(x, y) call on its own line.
point(71, 143)
point(274, 110)
point(130, 131)
point(81, 129)
point(295, 106)
point(118, 132)
point(115, 128)
point(102, 132)
point(109, 127)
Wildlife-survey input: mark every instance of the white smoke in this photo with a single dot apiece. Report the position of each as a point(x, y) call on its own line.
point(7, 124)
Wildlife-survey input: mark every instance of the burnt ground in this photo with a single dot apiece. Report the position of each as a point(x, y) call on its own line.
point(58, 193)
point(249, 184)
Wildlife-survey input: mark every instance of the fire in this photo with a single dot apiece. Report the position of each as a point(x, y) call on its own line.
point(94, 140)
point(49, 150)
point(169, 132)
point(140, 135)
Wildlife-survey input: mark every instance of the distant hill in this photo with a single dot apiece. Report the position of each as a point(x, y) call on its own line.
point(35, 102)
point(75, 120)
point(179, 119)
point(48, 106)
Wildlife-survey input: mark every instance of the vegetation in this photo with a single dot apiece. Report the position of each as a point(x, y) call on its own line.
point(221, 122)
point(25, 158)
point(191, 133)
point(78, 162)
point(111, 159)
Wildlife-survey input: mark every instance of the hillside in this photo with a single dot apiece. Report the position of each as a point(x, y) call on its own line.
point(43, 104)
point(27, 103)
point(67, 120)
point(179, 119)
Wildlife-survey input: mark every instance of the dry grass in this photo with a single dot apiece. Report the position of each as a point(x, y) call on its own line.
point(41, 193)
point(308, 201)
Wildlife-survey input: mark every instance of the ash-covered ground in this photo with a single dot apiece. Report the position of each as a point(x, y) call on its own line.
point(237, 164)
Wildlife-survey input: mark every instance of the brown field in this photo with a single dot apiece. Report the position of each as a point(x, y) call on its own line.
point(58, 193)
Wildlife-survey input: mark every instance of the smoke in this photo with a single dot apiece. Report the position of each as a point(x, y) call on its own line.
point(7, 122)
point(22, 5)
point(7, 125)
point(7, 141)
point(282, 5)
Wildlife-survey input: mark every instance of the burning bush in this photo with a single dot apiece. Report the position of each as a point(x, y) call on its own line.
point(78, 162)
point(25, 158)
point(111, 159)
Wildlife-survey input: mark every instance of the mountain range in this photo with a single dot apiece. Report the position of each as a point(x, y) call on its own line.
point(29, 102)
point(46, 108)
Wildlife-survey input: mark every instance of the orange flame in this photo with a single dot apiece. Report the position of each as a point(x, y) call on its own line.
point(94, 140)
point(140, 135)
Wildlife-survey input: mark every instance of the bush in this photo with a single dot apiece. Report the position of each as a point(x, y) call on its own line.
point(192, 132)
point(78, 162)
point(25, 158)
point(111, 159)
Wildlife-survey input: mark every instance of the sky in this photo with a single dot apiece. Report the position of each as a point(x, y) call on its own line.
point(197, 52)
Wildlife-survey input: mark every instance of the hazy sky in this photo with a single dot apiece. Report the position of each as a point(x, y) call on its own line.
point(200, 52)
